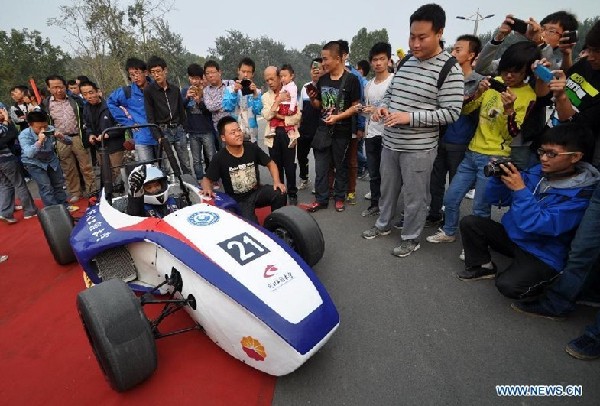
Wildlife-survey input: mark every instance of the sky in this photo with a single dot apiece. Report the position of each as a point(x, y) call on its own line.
point(324, 20)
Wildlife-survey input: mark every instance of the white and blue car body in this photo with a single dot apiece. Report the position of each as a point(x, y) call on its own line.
point(255, 296)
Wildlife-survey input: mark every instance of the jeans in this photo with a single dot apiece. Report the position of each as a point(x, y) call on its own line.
point(583, 256)
point(264, 196)
point(352, 159)
point(362, 156)
point(469, 171)
point(336, 153)
point(373, 149)
point(146, 152)
point(11, 181)
point(178, 140)
point(446, 162)
point(198, 144)
point(50, 184)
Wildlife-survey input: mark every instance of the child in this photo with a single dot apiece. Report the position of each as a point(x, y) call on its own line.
point(288, 108)
point(40, 159)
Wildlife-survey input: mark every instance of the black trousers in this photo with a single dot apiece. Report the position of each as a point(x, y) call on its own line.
point(525, 276)
point(447, 161)
point(324, 158)
point(285, 159)
point(263, 196)
point(373, 148)
point(302, 151)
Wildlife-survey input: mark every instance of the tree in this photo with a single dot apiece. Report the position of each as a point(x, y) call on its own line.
point(25, 54)
point(582, 31)
point(313, 51)
point(363, 41)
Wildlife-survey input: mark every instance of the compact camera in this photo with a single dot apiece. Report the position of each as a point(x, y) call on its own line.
point(492, 169)
point(48, 132)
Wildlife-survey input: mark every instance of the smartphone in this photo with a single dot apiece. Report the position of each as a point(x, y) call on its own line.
point(315, 65)
point(543, 73)
point(571, 37)
point(497, 85)
point(518, 25)
point(310, 87)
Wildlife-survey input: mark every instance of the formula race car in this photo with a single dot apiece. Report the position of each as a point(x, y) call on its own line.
point(250, 288)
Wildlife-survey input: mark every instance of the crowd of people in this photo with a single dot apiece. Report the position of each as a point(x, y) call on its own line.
point(520, 128)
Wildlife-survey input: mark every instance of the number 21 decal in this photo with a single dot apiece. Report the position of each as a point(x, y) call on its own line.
point(243, 248)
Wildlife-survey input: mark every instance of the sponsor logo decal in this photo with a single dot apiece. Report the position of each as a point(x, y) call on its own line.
point(203, 218)
point(270, 271)
point(243, 248)
point(253, 348)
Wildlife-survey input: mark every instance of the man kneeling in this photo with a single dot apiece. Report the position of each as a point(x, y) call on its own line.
point(236, 166)
point(546, 206)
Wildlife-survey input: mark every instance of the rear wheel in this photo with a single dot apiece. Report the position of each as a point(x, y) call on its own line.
point(57, 225)
point(119, 333)
point(299, 230)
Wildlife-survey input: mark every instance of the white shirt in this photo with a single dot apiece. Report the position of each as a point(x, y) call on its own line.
point(374, 93)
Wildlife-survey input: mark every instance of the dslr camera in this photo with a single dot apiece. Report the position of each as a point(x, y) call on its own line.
point(246, 83)
point(492, 169)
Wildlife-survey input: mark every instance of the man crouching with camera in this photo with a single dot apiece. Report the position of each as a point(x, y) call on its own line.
point(546, 206)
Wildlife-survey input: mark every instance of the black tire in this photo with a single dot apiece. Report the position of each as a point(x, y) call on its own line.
point(299, 230)
point(119, 333)
point(57, 225)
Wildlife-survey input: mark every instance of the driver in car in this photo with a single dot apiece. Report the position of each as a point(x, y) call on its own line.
point(149, 193)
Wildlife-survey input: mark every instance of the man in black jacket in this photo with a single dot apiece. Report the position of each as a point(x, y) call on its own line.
point(97, 118)
point(164, 106)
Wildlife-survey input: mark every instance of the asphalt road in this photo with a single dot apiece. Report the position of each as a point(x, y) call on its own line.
point(412, 333)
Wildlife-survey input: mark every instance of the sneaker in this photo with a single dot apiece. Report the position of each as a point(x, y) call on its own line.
point(476, 273)
point(29, 216)
point(371, 211)
point(304, 183)
point(399, 224)
point(351, 198)
point(375, 232)
point(368, 196)
point(585, 347)
point(72, 208)
point(292, 200)
point(537, 308)
point(462, 255)
point(406, 248)
point(18, 207)
point(470, 194)
point(364, 176)
point(74, 199)
point(313, 191)
point(3, 258)
point(339, 206)
point(313, 207)
point(8, 220)
point(434, 221)
point(441, 236)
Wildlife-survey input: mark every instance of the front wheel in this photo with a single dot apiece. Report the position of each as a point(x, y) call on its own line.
point(119, 333)
point(299, 230)
point(57, 225)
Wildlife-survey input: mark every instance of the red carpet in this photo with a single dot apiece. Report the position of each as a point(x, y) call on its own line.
point(46, 359)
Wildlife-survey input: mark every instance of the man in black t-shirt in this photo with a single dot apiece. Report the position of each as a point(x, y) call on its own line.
point(336, 118)
point(237, 167)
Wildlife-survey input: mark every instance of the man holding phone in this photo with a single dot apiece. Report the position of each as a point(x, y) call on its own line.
point(547, 34)
point(308, 123)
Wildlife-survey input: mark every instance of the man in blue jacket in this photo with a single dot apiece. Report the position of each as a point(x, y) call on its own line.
point(546, 203)
point(126, 104)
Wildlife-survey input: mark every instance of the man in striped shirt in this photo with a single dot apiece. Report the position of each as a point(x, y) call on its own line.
point(413, 108)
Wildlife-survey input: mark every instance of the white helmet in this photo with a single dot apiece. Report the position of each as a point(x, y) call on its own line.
point(160, 197)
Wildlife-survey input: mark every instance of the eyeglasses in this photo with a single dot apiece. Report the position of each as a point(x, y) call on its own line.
point(551, 154)
point(551, 31)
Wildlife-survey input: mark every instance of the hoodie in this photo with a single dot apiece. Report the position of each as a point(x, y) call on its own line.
point(544, 216)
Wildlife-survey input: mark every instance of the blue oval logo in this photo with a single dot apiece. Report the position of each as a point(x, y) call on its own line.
point(203, 218)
